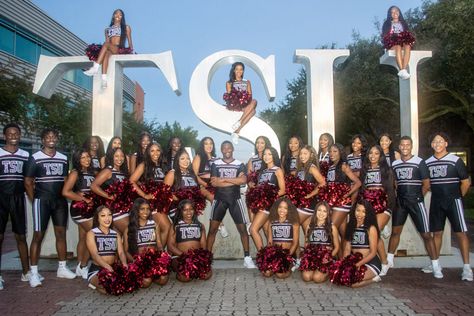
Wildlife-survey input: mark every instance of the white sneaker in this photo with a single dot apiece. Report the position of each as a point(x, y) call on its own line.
point(26, 277)
point(437, 272)
point(296, 265)
point(93, 70)
point(376, 279)
point(223, 231)
point(248, 263)
point(248, 228)
point(1, 283)
point(34, 280)
point(235, 138)
point(64, 273)
point(428, 269)
point(466, 274)
point(386, 232)
point(236, 125)
point(403, 74)
point(385, 268)
point(82, 272)
point(103, 83)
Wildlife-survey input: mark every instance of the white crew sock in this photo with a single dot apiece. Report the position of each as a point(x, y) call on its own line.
point(467, 266)
point(34, 269)
point(390, 257)
point(435, 263)
point(61, 264)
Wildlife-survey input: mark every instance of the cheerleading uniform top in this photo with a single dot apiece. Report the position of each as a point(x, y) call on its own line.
point(187, 181)
point(319, 236)
point(117, 176)
point(282, 232)
point(83, 182)
point(355, 163)
point(269, 175)
point(336, 177)
point(146, 234)
point(256, 163)
point(373, 179)
point(360, 238)
point(396, 28)
point(188, 232)
point(114, 30)
point(95, 162)
point(446, 174)
point(409, 175)
point(106, 243)
point(290, 164)
point(206, 169)
point(388, 158)
point(227, 170)
point(307, 176)
point(324, 158)
point(12, 171)
point(158, 174)
point(240, 85)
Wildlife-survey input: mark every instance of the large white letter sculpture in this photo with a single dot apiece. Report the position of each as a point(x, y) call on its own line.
point(106, 102)
point(320, 88)
point(408, 94)
point(217, 116)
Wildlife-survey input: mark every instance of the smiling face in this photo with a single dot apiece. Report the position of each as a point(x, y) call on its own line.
point(208, 146)
point(50, 140)
point(188, 213)
point(395, 14)
point(267, 156)
point(85, 160)
point(105, 218)
point(227, 151)
point(405, 147)
point(145, 141)
point(184, 161)
point(374, 156)
point(12, 136)
point(305, 155)
point(94, 144)
point(116, 143)
point(282, 211)
point(144, 211)
point(439, 145)
point(175, 145)
point(119, 158)
point(356, 146)
point(260, 144)
point(323, 142)
point(334, 154)
point(239, 72)
point(385, 143)
point(118, 15)
point(294, 145)
point(360, 213)
point(322, 214)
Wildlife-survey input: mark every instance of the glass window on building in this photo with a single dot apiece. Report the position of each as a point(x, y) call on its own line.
point(127, 104)
point(26, 49)
point(7, 40)
point(47, 52)
point(82, 80)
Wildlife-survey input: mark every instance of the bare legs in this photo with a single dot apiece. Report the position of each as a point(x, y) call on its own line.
point(382, 220)
point(82, 252)
point(248, 113)
point(164, 225)
point(402, 56)
point(260, 220)
point(22, 250)
point(61, 248)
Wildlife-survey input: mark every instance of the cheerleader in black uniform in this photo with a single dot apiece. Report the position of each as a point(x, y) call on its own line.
point(76, 185)
point(284, 230)
point(105, 246)
point(321, 232)
point(295, 143)
point(308, 170)
point(174, 145)
point(390, 154)
point(116, 170)
point(273, 174)
point(181, 176)
point(237, 82)
point(95, 148)
point(377, 175)
point(355, 159)
point(141, 235)
point(152, 169)
point(185, 234)
point(397, 36)
point(325, 142)
point(362, 236)
point(139, 155)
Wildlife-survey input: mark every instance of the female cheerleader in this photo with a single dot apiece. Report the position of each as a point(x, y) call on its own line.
point(377, 175)
point(273, 174)
point(295, 143)
point(396, 36)
point(116, 170)
point(115, 36)
point(307, 170)
point(359, 146)
point(152, 169)
point(138, 156)
point(76, 185)
point(385, 142)
point(141, 235)
point(362, 236)
point(95, 148)
point(115, 142)
point(181, 176)
point(325, 142)
point(186, 233)
point(321, 232)
point(237, 82)
point(103, 257)
point(284, 230)
point(174, 145)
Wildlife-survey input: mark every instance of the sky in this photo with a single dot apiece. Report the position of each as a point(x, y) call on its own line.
point(193, 30)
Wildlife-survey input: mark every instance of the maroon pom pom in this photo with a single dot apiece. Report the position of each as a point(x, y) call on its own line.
point(344, 272)
point(124, 196)
point(403, 38)
point(153, 263)
point(252, 177)
point(121, 280)
point(297, 189)
point(262, 196)
point(195, 263)
point(323, 168)
point(162, 195)
point(378, 199)
point(193, 194)
point(86, 210)
point(333, 193)
point(274, 258)
point(92, 51)
point(316, 257)
point(125, 50)
point(237, 100)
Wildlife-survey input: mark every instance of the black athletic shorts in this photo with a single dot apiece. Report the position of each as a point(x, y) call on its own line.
point(452, 208)
point(93, 270)
point(417, 211)
point(375, 265)
point(236, 208)
point(13, 206)
point(43, 209)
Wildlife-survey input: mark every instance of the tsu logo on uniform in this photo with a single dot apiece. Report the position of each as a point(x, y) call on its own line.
point(11, 167)
point(405, 173)
point(438, 171)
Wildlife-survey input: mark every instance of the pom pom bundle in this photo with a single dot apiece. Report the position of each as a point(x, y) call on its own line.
point(323, 168)
point(162, 195)
point(403, 38)
point(316, 257)
point(344, 271)
point(262, 196)
point(237, 100)
point(274, 258)
point(252, 177)
point(124, 197)
point(153, 263)
point(297, 189)
point(333, 193)
point(86, 210)
point(93, 50)
point(122, 280)
point(195, 263)
point(377, 198)
point(193, 194)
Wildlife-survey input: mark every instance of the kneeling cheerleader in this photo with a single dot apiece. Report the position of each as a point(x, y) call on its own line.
point(361, 265)
point(187, 242)
point(143, 247)
point(283, 240)
point(322, 245)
